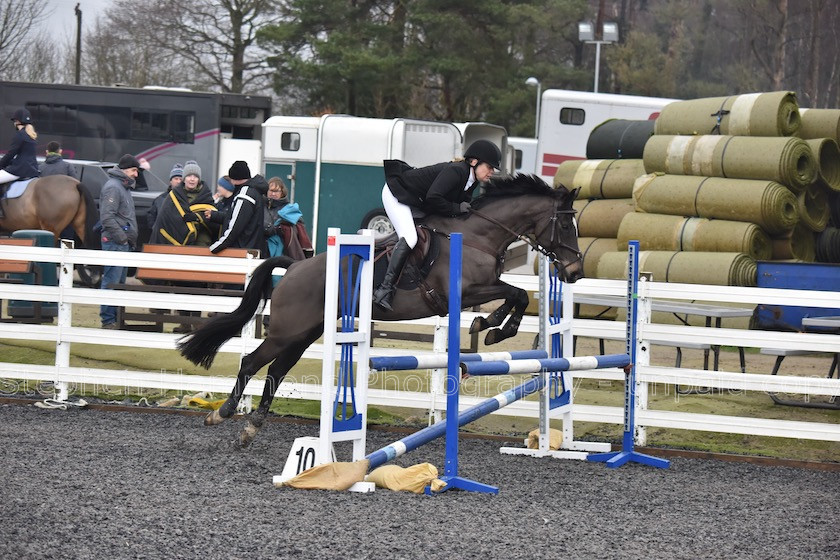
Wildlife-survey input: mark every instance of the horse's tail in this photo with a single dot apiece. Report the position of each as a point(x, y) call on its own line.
point(91, 240)
point(202, 346)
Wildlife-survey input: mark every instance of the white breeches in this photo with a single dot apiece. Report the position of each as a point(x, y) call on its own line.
point(6, 177)
point(400, 216)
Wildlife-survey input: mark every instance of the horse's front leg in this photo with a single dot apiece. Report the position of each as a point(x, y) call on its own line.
point(516, 300)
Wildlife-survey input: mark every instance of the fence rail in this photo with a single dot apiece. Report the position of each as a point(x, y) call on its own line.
point(63, 334)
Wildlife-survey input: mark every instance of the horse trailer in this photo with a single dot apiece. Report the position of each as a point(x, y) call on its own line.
point(333, 165)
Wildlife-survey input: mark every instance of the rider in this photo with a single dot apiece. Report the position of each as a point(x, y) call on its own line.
point(442, 189)
point(20, 161)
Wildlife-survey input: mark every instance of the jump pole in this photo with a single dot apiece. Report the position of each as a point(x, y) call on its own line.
point(627, 453)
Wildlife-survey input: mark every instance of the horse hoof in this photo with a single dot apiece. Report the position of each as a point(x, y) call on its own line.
point(478, 325)
point(493, 337)
point(213, 419)
point(249, 432)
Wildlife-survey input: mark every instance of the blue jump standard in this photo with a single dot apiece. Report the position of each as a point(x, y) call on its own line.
point(617, 458)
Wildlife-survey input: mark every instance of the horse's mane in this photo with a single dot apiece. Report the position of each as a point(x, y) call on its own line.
point(516, 185)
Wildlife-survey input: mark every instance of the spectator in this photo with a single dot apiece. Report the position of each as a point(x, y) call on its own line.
point(243, 227)
point(119, 226)
point(223, 200)
point(180, 220)
point(54, 164)
point(284, 226)
point(176, 177)
point(19, 162)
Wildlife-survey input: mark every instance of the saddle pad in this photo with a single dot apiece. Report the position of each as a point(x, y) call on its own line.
point(18, 188)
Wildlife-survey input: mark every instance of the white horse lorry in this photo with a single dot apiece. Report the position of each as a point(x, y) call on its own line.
point(333, 164)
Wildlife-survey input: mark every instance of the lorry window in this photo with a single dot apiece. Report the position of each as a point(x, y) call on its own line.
point(290, 142)
point(572, 115)
point(517, 154)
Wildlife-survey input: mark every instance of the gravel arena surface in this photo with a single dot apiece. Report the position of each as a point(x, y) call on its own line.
point(100, 484)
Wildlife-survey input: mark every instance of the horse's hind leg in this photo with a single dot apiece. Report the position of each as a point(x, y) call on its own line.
point(493, 320)
point(251, 364)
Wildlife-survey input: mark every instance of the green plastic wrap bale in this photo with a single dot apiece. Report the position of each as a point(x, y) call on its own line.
point(619, 139)
point(820, 123)
point(601, 218)
point(813, 208)
point(788, 161)
point(657, 232)
point(600, 178)
point(767, 204)
point(827, 154)
point(753, 114)
point(716, 269)
point(798, 244)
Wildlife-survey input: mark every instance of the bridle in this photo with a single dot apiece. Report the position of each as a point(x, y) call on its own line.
point(554, 240)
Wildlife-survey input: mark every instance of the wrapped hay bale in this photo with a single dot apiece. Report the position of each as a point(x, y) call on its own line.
point(798, 244)
point(827, 154)
point(753, 114)
point(767, 204)
point(828, 245)
point(788, 161)
point(619, 139)
point(819, 123)
point(657, 232)
point(601, 218)
point(600, 178)
point(716, 269)
point(812, 205)
point(592, 248)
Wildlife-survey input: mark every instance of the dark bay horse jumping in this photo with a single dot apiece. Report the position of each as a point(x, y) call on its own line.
point(522, 207)
point(52, 203)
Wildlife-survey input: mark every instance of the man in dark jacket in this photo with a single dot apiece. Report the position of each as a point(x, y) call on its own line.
point(119, 226)
point(243, 227)
point(54, 164)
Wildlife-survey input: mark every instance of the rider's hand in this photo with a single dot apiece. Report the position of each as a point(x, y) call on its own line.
point(464, 207)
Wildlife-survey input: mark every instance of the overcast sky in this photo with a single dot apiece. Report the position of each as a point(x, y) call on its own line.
point(61, 23)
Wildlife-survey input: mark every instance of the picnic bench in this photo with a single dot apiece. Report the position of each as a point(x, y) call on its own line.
point(11, 271)
point(176, 281)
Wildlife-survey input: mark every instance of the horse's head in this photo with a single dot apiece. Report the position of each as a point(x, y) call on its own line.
point(545, 216)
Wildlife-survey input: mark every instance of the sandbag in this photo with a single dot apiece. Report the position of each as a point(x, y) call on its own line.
point(798, 244)
point(716, 269)
point(657, 232)
point(619, 139)
point(329, 476)
point(754, 114)
point(788, 161)
point(555, 439)
point(827, 154)
point(819, 123)
point(600, 178)
point(411, 479)
point(768, 204)
point(813, 208)
point(601, 218)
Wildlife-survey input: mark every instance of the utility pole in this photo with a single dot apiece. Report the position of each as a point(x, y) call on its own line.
point(78, 43)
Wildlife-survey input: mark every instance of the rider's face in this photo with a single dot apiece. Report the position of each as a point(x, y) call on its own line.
point(483, 172)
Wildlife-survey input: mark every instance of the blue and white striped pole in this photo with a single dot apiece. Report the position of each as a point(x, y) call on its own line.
point(435, 361)
point(506, 367)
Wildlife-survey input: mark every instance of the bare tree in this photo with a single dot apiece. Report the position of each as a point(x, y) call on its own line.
point(18, 19)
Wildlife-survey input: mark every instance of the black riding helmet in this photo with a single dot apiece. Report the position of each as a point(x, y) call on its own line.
point(486, 151)
point(22, 116)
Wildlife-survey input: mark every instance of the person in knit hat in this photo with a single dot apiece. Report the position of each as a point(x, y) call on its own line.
point(243, 227)
point(223, 199)
point(180, 220)
point(176, 177)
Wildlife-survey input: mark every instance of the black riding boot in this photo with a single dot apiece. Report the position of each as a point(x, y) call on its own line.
point(385, 292)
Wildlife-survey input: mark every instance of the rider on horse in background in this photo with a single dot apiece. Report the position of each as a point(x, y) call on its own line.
point(20, 161)
point(444, 189)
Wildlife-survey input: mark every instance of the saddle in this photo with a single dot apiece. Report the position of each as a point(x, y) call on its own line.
point(419, 263)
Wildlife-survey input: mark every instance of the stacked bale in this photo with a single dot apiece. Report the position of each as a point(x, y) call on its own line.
point(732, 180)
